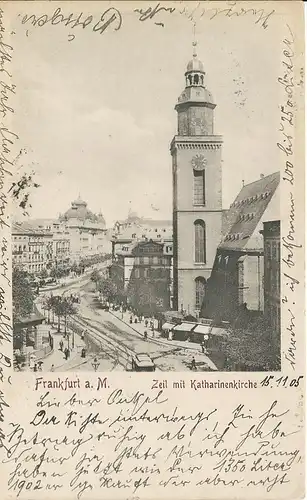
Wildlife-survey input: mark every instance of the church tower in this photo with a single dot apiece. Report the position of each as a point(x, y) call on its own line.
point(197, 190)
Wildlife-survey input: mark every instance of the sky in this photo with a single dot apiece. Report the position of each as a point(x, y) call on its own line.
point(95, 116)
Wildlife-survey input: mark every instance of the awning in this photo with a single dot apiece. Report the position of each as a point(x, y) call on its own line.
point(167, 326)
point(184, 327)
point(204, 329)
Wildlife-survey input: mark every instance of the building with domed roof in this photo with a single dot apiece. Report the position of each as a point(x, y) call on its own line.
point(79, 211)
point(87, 231)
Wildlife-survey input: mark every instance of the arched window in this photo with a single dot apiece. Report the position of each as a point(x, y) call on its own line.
point(196, 79)
point(200, 290)
point(199, 187)
point(200, 241)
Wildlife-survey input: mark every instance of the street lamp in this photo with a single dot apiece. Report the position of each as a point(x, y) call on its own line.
point(95, 364)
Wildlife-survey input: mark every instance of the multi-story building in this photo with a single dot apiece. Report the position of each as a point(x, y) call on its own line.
point(135, 229)
point(197, 190)
point(271, 238)
point(31, 248)
point(77, 235)
point(237, 277)
point(142, 272)
point(87, 232)
point(60, 239)
point(61, 246)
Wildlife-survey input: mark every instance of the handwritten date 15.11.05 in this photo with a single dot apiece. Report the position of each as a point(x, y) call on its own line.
point(272, 380)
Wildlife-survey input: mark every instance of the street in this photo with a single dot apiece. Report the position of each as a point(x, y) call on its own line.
point(110, 341)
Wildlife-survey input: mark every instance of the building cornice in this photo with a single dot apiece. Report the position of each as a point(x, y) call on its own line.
point(194, 268)
point(198, 210)
point(188, 104)
point(200, 142)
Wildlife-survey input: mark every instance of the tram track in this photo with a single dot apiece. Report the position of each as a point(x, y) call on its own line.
point(107, 343)
point(107, 346)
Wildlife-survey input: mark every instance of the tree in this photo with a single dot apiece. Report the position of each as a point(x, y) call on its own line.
point(250, 349)
point(47, 306)
point(95, 277)
point(57, 272)
point(62, 308)
point(74, 268)
point(53, 302)
point(57, 309)
point(107, 288)
point(68, 309)
point(43, 274)
point(22, 293)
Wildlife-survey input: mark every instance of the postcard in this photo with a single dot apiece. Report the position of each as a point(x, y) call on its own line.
point(152, 324)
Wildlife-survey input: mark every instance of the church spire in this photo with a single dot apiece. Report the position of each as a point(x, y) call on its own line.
point(194, 43)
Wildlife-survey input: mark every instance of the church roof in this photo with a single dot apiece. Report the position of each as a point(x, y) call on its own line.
point(244, 214)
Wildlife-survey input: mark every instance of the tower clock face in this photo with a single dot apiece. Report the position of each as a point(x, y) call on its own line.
point(199, 162)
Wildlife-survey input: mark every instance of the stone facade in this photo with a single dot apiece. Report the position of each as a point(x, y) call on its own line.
point(197, 191)
point(142, 272)
point(31, 249)
point(271, 237)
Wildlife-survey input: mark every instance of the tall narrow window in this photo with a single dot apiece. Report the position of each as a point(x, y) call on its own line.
point(200, 290)
point(199, 187)
point(200, 241)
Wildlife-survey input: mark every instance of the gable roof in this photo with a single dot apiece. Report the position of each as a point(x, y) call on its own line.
point(246, 211)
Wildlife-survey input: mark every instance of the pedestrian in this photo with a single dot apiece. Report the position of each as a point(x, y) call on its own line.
point(145, 335)
point(135, 320)
point(146, 322)
point(193, 364)
point(66, 353)
point(61, 345)
point(131, 319)
point(52, 368)
point(35, 367)
point(203, 347)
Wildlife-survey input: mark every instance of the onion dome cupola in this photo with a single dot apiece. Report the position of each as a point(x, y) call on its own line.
point(195, 73)
point(195, 104)
point(79, 210)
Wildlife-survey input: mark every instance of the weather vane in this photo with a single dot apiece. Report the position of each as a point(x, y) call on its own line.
point(194, 43)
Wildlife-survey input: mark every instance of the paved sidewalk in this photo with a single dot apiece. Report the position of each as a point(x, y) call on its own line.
point(140, 328)
point(57, 357)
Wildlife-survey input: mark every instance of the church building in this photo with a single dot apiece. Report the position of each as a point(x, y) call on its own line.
point(197, 190)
